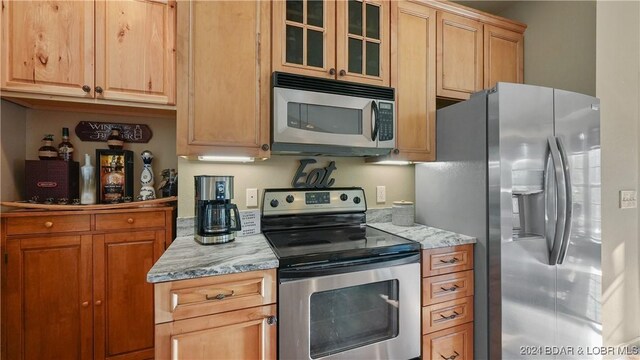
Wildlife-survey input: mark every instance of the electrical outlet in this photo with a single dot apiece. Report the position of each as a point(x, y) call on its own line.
point(628, 199)
point(381, 194)
point(252, 198)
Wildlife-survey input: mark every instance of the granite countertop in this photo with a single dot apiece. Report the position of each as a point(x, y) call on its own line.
point(186, 259)
point(428, 237)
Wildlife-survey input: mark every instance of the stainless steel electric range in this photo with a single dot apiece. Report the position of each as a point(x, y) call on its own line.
point(345, 290)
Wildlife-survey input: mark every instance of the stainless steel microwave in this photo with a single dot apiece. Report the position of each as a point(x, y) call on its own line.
point(316, 116)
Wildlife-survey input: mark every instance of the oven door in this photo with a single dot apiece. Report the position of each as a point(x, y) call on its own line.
point(360, 314)
point(307, 117)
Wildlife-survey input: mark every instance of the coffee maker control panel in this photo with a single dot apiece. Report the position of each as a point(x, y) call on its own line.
point(313, 201)
point(221, 190)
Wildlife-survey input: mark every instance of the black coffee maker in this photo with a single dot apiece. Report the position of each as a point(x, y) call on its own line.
point(217, 219)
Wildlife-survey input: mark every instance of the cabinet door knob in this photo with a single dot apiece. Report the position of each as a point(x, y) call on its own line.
point(98, 89)
point(48, 224)
point(342, 73)
point(98, 303)
point(85, 304)
point(396, 151)
point(86, 88)
point(265, 147)
point(130, 220)
point(332, 71)
point(272, 320)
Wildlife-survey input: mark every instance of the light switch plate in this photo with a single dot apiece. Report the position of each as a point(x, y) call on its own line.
point(381, 194)
point(252, 197)
point(628, 199)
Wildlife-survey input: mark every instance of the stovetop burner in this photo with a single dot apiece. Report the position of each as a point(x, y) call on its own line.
point(302, 231)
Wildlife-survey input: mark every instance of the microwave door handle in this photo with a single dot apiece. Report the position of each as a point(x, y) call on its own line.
point(374, 114)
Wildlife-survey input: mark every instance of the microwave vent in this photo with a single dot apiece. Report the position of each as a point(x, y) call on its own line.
point(299, 82)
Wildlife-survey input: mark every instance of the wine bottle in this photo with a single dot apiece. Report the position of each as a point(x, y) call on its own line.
point(65, 149)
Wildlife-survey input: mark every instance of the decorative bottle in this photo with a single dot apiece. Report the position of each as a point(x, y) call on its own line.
point(65, 149)
point(88, 195)
point(47, 151)
point(147, 192)
point(115, 141)
point(113, 182)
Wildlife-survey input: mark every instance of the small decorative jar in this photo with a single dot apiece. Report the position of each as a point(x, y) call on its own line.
point(47, 151)
point(402, 213)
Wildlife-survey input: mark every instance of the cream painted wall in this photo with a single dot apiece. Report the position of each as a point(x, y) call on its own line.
point(618, 87)
point(12, 151)
point(278, 172)
point(559, 43)
point(162, 144)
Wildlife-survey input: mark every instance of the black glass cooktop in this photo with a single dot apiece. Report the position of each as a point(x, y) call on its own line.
point(317, 245)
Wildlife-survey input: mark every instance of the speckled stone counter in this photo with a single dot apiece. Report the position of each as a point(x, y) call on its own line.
point(186, 259)
point(428, 237)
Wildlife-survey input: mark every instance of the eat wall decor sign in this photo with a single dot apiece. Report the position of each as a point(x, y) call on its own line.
point(319, 178)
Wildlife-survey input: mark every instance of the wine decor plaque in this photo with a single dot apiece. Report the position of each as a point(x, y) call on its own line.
point(99, 131)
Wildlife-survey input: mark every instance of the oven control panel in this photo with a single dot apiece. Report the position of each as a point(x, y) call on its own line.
point(301, 201)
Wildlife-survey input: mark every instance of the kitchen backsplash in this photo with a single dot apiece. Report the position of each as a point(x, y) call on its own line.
point(278, 172)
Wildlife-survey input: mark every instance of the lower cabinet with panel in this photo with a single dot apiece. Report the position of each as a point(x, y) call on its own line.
point(447, 303)
point(219, 317)
point(74, 282)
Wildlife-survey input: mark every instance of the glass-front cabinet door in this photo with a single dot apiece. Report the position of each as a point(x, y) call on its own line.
point(362, 42)
point(304, 37)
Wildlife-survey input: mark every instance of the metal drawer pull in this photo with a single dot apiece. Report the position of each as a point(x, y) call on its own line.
point(453, 288)
point(450, 317)
point(48, 224)
point(272, 320)
point(219, 296)
point(452, 261)
point(452, 357)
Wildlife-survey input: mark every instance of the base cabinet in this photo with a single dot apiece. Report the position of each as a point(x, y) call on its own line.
point(447, 303)
point(218, 317)
point(79, 293)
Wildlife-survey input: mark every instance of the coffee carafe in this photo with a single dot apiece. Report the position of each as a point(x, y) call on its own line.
point(217, 219)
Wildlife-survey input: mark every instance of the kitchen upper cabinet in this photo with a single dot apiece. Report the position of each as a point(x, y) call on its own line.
point(344, 40)
point(459, 56)
point(503, 56)
point(413, 74)
point(104, 50)
point(224, 78)
point(135, 50)
point(48, 47)
point(47, 300)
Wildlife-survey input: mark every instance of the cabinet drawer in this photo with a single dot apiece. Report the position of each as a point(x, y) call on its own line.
point(453, 343)
point(447, 314)
point(48, 224)
point(441, 288)
point(132, 220)
point(447, 260)
point(191, 298)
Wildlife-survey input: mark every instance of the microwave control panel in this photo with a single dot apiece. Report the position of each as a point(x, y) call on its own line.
point(385, 121)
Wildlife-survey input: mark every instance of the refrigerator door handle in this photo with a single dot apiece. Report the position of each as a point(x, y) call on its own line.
point(561, 200)
point(568, 203)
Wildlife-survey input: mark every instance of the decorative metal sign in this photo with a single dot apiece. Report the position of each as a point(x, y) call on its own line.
point(99, 131)
point(319, 178)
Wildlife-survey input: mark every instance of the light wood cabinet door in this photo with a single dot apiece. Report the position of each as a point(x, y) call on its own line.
point(362, 41)
point(459, 56)
point(135, 50)
point(47, 47)
point(240, 334)
point(48, 302)
point(304, 35)
point(503, 56)
point(413, 72)
point(224, 78)
point(123, 300)
point(453, 343)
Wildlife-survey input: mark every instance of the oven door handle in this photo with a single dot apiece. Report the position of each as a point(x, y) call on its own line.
point(341, 267)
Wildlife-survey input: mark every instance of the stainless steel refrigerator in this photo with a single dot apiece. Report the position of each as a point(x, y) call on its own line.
point(518, 167)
